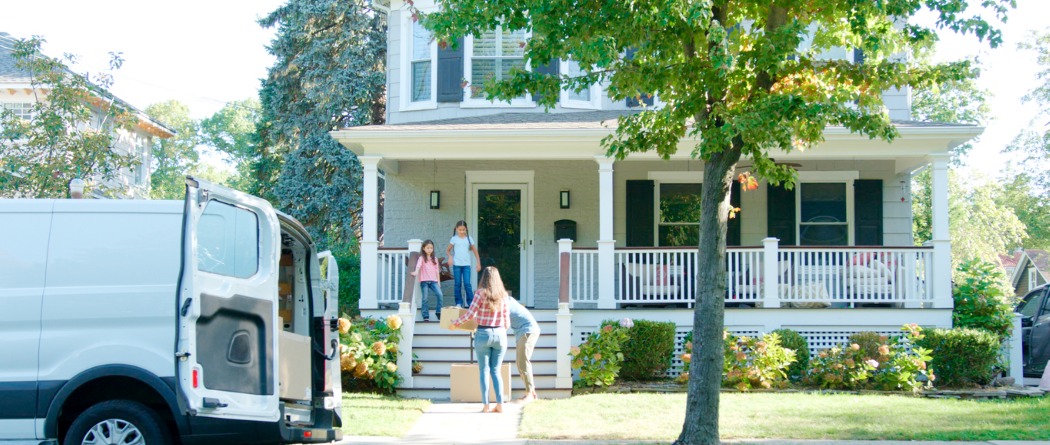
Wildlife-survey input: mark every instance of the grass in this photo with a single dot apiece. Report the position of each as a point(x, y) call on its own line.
point(378, 415)
point(791, 416)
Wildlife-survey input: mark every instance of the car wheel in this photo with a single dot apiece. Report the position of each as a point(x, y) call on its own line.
point(117, 422)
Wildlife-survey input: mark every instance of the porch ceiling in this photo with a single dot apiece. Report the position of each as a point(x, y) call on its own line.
point(563, 136)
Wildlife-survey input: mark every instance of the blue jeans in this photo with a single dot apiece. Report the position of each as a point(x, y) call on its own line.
point(490, 345)
point(461, 275)
point(434, 289)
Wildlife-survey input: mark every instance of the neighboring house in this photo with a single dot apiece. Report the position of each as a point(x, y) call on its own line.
point(16, 93)
point(1027, 269)
point(590, 238)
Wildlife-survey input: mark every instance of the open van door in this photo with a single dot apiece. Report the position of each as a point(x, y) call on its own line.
point(330, 290)
point(226, 347)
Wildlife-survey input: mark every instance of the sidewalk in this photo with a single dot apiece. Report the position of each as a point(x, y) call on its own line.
point(463, 423)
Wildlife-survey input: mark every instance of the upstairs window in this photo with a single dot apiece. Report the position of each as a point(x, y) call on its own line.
point(421, 62)
point(22, 110)
point(589, 98)
point(493, 54)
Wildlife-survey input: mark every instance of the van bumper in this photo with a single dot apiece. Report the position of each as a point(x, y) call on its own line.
point(311, 435)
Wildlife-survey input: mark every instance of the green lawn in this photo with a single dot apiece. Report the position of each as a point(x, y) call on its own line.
point(376, 415)
point(791, 416)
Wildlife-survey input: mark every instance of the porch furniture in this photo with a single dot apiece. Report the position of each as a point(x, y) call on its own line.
point(872, 280)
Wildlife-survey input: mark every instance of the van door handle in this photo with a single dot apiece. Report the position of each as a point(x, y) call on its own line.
point(186, 306)
point(214, 403)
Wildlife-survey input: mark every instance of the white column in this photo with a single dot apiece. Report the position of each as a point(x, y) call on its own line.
point(414, 245)
point(404, 347)
point(563, 379)
point(370, 233)
point(1016, 361)
point(606, 243)
point(770, 276)
point(942, 248)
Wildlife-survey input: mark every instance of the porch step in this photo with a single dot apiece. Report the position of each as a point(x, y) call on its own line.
point(437, 349)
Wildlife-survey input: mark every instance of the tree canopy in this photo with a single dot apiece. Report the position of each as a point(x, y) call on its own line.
point(736, 78)
point(173, 157)
point(68, 132)
point(329, 74)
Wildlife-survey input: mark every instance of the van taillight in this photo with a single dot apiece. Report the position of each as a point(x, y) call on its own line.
point(308, 434)
point(194, 378)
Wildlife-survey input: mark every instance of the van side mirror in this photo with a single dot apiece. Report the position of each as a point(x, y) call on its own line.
point(1026, 322)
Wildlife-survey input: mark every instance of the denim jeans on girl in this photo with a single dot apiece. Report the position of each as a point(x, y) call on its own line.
point(435, 289)
point(490, 345)
point(461, 275)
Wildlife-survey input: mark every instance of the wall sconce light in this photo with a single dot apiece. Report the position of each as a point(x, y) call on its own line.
point(435, 199)
point(563, 201)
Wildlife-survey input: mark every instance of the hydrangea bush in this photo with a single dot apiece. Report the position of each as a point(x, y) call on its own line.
point(598, 359)
point(368, 353)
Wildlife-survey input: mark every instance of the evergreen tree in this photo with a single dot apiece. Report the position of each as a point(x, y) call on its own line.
point(329, 74)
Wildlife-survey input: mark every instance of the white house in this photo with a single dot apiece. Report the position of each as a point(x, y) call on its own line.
point(591, 238)
point(17, 94)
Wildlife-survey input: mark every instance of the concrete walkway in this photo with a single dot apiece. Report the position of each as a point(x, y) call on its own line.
point(464, 424)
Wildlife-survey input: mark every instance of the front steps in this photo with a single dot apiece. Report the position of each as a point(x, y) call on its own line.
point(437, 349)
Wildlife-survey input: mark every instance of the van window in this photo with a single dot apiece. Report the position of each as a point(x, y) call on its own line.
point(228, 241)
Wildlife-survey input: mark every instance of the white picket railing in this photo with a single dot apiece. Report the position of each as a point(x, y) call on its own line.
point(805, 276)
point(391, 275)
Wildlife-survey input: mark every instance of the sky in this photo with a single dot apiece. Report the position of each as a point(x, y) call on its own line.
point(207, 53)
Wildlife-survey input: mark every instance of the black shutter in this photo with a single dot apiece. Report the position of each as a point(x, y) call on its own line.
point(867, 209)
point(551, 69)
point(733, 228)
point(450, 73)
point(780, 209)
point(647, 99)
point(639, 221)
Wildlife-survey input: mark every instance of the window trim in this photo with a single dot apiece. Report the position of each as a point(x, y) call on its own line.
point(595, 103)
point(835, 177)
point(469, 101)
point(405, 102)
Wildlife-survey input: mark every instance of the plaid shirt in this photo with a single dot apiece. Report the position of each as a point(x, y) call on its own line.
point(485, 316)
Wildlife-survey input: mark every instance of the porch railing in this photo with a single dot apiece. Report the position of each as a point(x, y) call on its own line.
point(804, 277)
point(391, 274)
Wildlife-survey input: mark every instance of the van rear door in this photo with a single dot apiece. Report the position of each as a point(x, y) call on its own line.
point(330, 290)
point(226, 352)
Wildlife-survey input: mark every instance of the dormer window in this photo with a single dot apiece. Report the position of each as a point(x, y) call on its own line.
point(419, 78)
point(589, 98)
point(492, 55)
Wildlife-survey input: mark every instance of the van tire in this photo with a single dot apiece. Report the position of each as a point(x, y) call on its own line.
point(124, 414)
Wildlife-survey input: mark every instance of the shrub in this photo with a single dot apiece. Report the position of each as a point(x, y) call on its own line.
point(755, 362)
point(962, 357)
point(902, 361)
point(348, 257)
point(648, 350)
point(598, 358)
point(981, 299)
point(368, 355)
point(791, 339)
point(840, 367)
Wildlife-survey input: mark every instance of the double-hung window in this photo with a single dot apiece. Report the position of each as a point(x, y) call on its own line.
point(419, 76)
point(493, 55)
point(825, 200)
point(589, 98)
point(677, 208)
point(22, 110)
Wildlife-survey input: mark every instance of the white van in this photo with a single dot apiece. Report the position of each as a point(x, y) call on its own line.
point(164, 322)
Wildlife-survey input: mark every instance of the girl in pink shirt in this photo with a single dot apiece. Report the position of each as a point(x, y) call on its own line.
point(429, 272)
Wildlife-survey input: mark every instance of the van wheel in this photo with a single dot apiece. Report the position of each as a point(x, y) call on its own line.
point(117, 422)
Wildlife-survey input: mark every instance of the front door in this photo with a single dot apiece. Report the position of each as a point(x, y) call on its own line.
point(500, 217)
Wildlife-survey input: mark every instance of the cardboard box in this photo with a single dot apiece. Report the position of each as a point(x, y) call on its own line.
point(452, 313)
point(284, 289)
point(294, 367)
point(465, 385)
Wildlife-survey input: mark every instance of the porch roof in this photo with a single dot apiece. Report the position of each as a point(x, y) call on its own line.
point(578, 135)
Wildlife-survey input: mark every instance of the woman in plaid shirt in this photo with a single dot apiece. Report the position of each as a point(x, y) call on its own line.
point(490, 341)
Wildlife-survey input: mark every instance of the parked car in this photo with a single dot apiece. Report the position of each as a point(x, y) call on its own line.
point(1035, 330)
point(158, 322)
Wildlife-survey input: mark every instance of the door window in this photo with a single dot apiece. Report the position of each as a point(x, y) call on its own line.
point(499, 235)
point(228, 241)
point(1031, 304)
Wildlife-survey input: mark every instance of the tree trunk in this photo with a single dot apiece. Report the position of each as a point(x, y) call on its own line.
point(705, 371)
